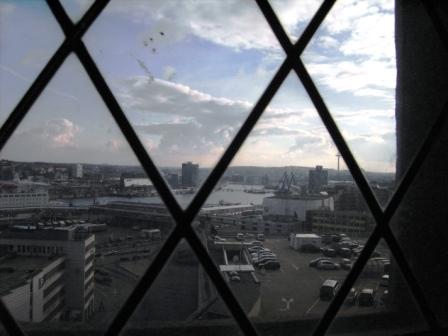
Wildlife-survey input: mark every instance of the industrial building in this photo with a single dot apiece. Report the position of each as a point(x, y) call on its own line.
point(358, 223)
point(23, 194)
point(292, 207)
point(317, 179)
point(75, 248)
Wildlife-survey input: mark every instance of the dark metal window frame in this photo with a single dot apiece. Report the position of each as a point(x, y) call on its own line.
point(183, 218)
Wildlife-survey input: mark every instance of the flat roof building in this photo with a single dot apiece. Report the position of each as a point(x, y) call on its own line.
point(78, 250)
point(33, 288)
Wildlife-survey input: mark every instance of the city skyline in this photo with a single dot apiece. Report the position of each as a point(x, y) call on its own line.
point(188, 90)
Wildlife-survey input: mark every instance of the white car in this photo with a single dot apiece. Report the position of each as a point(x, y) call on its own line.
point(327, 265)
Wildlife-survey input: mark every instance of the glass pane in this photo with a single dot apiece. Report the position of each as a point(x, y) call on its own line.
point(183, 296)
point(187, 73)
point(352, 61)
point(295, 15)
point(76, 9)
point(80, 222)
point(285, 207)
point(374, 301)
point(31, 23)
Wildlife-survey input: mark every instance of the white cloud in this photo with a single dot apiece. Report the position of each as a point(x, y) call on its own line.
point(231, 23)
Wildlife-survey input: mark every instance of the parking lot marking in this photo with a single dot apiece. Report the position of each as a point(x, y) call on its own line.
point(296, 268)
point(287, 303)
point(312, 306)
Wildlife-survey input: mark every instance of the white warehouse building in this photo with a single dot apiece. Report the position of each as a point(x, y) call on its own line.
point(294, 207)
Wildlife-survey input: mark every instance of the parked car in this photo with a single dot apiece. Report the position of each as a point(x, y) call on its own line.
point(346, 264)
point(255, 249)
point(345, 252)
point(366, 297)
point(384, 282)
point(260, 236)
point(239, 236)
point(313, 263)
point(329, 252)
point(261, 261)
point(270, 264)
point(351, 297)
point(328, 289)
point(256, 243)
point(327, 265)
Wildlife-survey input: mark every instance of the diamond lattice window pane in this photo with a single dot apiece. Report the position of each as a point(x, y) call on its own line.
point(280, 206)
point(186, 74)
point(352, 61)
point(295, 15)
point(375, 301)
point(80, 222)
point(25, 48)
point(182, 296)
point(76, 9)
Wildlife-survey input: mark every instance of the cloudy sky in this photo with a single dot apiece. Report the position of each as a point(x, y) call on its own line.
point(187, 73)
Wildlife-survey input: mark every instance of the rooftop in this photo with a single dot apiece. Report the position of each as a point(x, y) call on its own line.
point(15, 271)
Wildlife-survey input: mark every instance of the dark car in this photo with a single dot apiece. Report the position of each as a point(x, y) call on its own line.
point(366, 297)
point(328, 290)
point(314, 262)
point(346, 264)
point(329, 252)
point(345, 252)
point(352, 297)
point(270, 264)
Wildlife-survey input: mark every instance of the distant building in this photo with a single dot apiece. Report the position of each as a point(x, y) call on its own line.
point(350, 198)
point(7, 172)
point(190, 174)
point(317, 179)
point(23, 194)
point(265, 180)
point(76, 291)
point(37, 199)
point(294, 207)
point(173, 180)
point(237, 178)
point(285, 213)
point(77, 171)
point(358, 223)
point(251, 179)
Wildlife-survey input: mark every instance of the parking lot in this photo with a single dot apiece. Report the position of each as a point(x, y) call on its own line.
point(294, 289)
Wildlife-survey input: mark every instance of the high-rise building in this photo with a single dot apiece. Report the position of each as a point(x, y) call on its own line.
point(76, 253)
point(77, 171)
point(173, 180)
point(7, 172)
point(317, 179)
point(190, 174)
